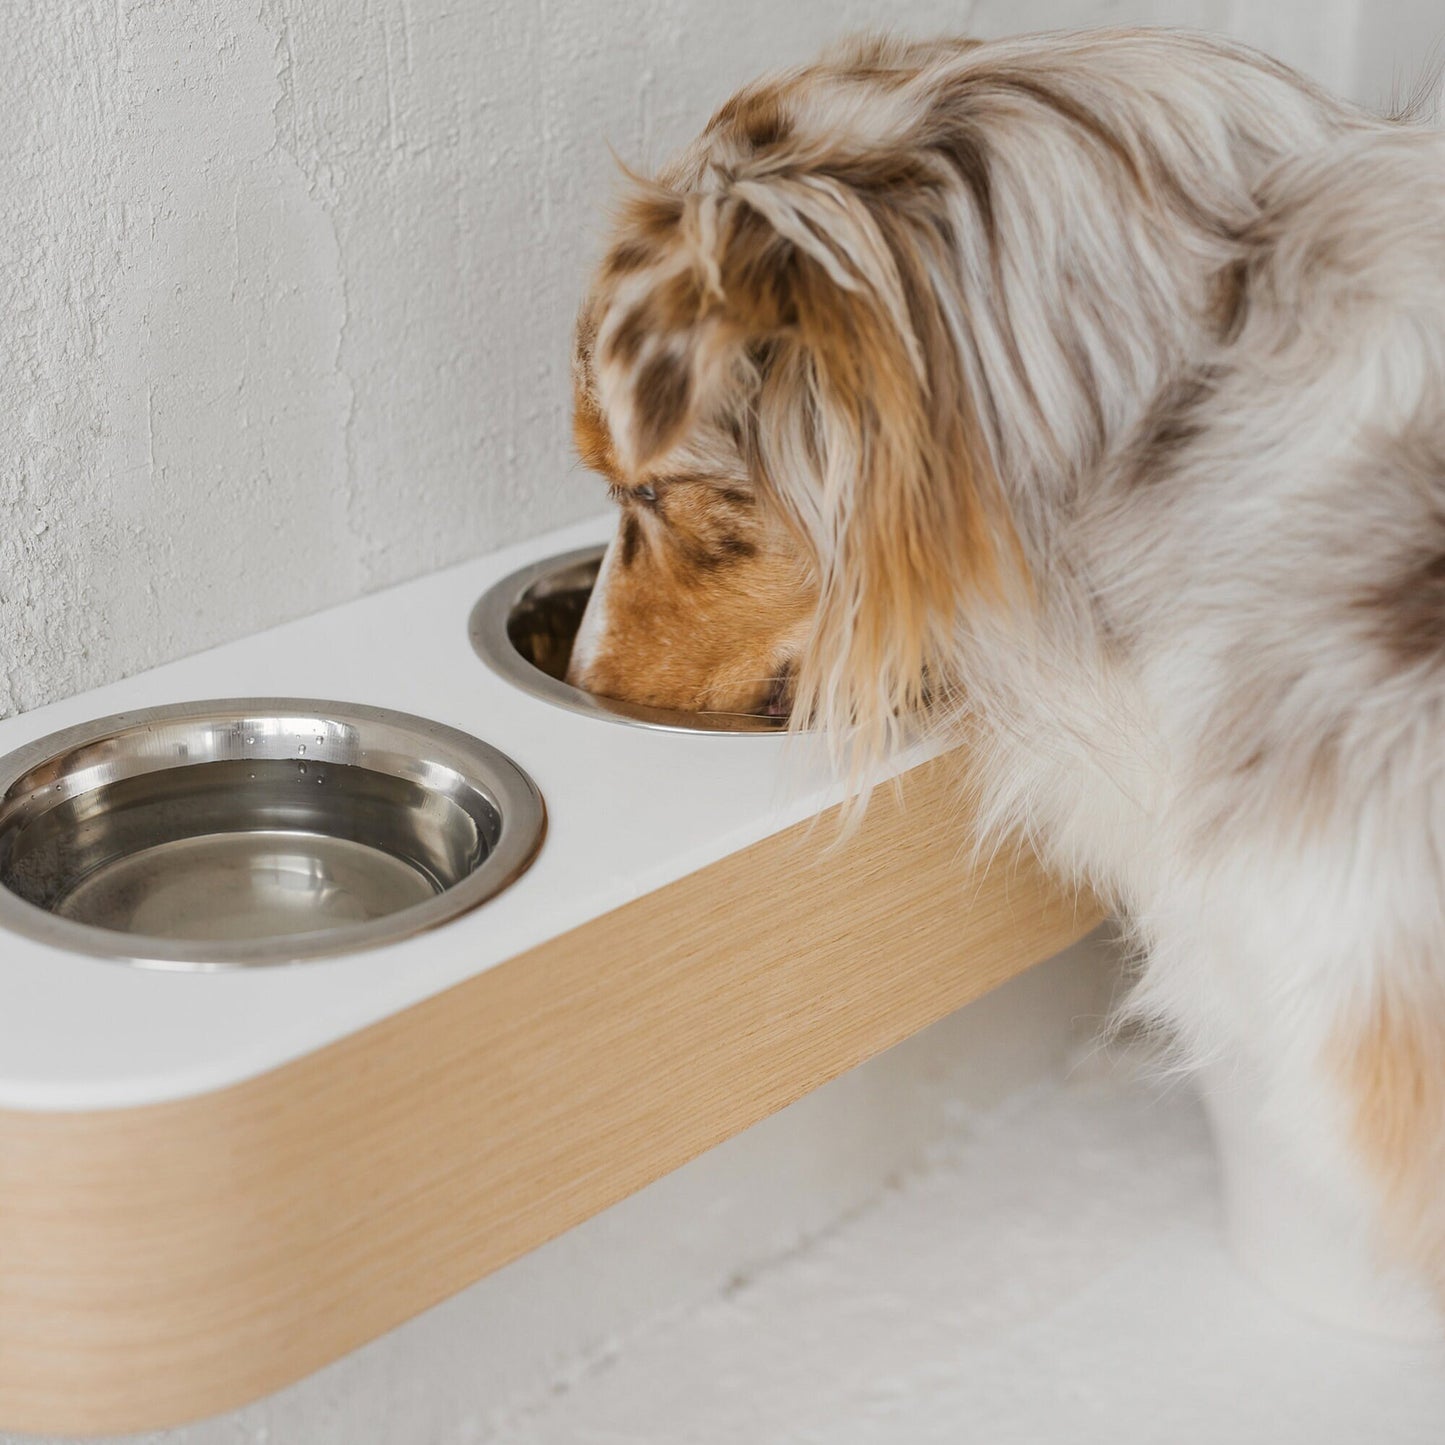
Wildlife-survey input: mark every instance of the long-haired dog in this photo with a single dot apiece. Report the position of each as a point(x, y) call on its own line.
point(1084, 396)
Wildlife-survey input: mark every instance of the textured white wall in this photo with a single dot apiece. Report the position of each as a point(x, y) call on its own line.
point(288, 287)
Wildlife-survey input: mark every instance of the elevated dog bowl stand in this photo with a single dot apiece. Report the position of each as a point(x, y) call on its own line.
point(213, 1184)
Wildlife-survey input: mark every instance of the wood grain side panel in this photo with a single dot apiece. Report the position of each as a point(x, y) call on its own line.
point(163, 1263)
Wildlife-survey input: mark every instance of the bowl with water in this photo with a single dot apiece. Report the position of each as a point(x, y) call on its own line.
point(240, 832)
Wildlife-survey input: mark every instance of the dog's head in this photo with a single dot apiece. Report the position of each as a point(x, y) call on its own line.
point(867, 290)
point(704, 600)
point(768, 374)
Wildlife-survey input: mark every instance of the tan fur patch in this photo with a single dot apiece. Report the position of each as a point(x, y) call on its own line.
point(591, 436)
point(919, 537)
point(1394, 1071)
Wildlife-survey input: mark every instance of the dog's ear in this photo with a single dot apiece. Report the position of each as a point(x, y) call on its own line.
point(666, 337)
point(814, 316)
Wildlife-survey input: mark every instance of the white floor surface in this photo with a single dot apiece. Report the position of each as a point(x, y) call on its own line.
point(1054, 1275)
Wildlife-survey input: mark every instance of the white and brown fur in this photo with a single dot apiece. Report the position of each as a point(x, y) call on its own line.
point(1083, 396)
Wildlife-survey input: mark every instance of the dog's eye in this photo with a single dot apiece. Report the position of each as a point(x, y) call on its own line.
point(647, 495)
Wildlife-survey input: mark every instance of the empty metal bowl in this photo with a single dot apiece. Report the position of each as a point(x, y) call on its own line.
point(255, 831)
point(523, 628)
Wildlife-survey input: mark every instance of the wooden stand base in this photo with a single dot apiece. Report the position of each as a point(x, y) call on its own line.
point(158, 1264)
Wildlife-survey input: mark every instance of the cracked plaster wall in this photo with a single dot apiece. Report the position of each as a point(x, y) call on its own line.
point(288, 287)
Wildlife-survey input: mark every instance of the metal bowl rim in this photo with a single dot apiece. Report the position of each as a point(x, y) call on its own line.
point(487, 628)
point(490, 771)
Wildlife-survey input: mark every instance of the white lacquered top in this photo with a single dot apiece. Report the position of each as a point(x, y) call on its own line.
point(630, 809)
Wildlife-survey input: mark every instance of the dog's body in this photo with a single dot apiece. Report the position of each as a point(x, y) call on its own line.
point(1085, 396)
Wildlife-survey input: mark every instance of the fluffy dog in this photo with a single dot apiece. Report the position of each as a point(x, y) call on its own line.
point(1083, 396)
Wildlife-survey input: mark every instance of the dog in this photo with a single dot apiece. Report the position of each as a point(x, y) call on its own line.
point(1081, 397)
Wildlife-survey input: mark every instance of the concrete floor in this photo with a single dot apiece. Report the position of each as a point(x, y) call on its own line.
point(1056, 1274)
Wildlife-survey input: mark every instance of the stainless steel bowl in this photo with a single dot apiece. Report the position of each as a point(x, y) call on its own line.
point(256, 831)
point(523, 628)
